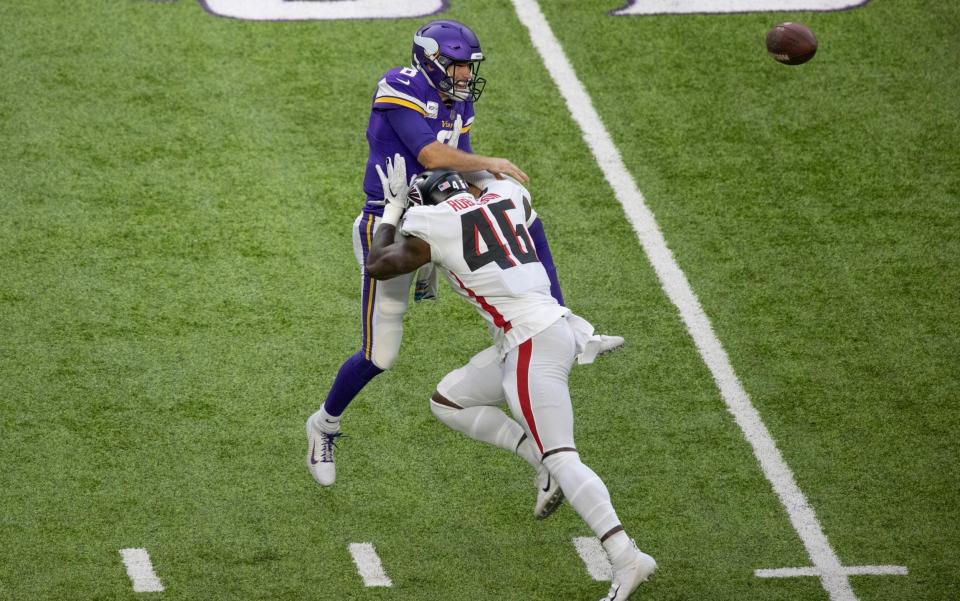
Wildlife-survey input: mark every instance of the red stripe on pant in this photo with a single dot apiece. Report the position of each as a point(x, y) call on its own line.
point(523, 389)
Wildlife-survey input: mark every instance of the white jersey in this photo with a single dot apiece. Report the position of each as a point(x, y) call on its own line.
point(483, 247)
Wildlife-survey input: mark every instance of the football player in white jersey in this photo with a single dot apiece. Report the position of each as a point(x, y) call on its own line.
point(424, 112)
point(481, 245)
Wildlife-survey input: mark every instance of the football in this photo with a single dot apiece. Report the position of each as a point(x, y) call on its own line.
point(791, 43)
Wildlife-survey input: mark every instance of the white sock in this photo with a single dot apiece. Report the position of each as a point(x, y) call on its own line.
point(618, 547)
point(528, 451)
point(487, 424)
point(585, 491)
point(326, 422)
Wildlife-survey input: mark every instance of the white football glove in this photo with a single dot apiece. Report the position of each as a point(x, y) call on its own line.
point(395, 189)
point(455, 134)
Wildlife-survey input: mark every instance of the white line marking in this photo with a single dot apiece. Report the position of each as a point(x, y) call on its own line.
point(656, 7)
point(876, 570)
point(849, 571)
point(678, 289)
point(594, 557)
point(368, 565)
point(289, 10)
point(786, 572)
point(140, 571)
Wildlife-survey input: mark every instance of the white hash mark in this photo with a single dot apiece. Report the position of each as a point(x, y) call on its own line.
point(140, 571)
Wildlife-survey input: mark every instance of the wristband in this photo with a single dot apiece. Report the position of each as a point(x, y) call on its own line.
point(392, 214)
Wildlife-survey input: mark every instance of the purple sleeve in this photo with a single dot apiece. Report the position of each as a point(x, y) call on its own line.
point(543, 253)
point(411, 128)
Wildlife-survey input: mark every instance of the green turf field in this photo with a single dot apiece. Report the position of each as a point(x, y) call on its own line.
point(178, 289)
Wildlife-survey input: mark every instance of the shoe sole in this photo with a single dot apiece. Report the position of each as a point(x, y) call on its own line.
point(612, 349)
point(552, 505)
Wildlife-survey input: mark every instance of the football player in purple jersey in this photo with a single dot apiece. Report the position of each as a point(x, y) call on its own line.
point(423, 113)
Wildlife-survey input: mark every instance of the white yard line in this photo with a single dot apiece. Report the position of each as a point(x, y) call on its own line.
point(656, 7)
point(594, 557)
point(677, 288)
point(140, 571)
point(296, 10)
point(849, 571)
point(368, 565)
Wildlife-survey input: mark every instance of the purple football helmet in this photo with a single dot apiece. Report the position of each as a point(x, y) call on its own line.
point(439, 44)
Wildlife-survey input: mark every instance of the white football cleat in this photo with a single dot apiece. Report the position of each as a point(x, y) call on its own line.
point(320, 447)
point(596, 345)
point(634, 571)
point(549, 493)
point(609, 343)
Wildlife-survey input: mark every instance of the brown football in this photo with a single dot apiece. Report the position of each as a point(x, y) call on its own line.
point(791, 43)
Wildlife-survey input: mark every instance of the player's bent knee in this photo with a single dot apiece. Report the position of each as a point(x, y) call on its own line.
point(386, 347)
point(384, 360)
point(442, 409)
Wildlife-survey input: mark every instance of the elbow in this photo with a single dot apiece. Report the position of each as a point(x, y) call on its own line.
point(374, 269)
point(381, 270)
point(429, 155)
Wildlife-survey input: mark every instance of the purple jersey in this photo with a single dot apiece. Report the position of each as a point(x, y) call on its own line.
point(407, 114)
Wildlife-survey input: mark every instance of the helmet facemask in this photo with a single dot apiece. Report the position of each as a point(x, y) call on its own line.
point(470, 89)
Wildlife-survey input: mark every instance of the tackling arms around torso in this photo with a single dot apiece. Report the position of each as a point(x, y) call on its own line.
point(392, 254)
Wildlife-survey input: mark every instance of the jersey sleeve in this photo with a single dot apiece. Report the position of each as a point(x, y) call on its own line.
point(398, 90)
point(507, 188)
point(401, 96)
point(521, 196)
point(530, 214)
point(416, 222)
point(412, 129)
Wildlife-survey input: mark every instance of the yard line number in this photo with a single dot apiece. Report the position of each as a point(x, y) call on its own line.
point(308, 10)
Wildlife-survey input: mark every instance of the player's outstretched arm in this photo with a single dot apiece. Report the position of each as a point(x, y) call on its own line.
point(391, 255)
point(436, 155)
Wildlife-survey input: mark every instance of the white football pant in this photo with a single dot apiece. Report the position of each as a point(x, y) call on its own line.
point(533, 381)
point(383, 301)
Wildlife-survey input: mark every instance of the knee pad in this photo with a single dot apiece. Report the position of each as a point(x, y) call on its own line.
point(384, 358)
point(387, 333)
point(387, 323)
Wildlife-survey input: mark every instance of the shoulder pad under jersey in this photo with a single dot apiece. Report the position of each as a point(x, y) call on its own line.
point(511, 188)
point(404, 87)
